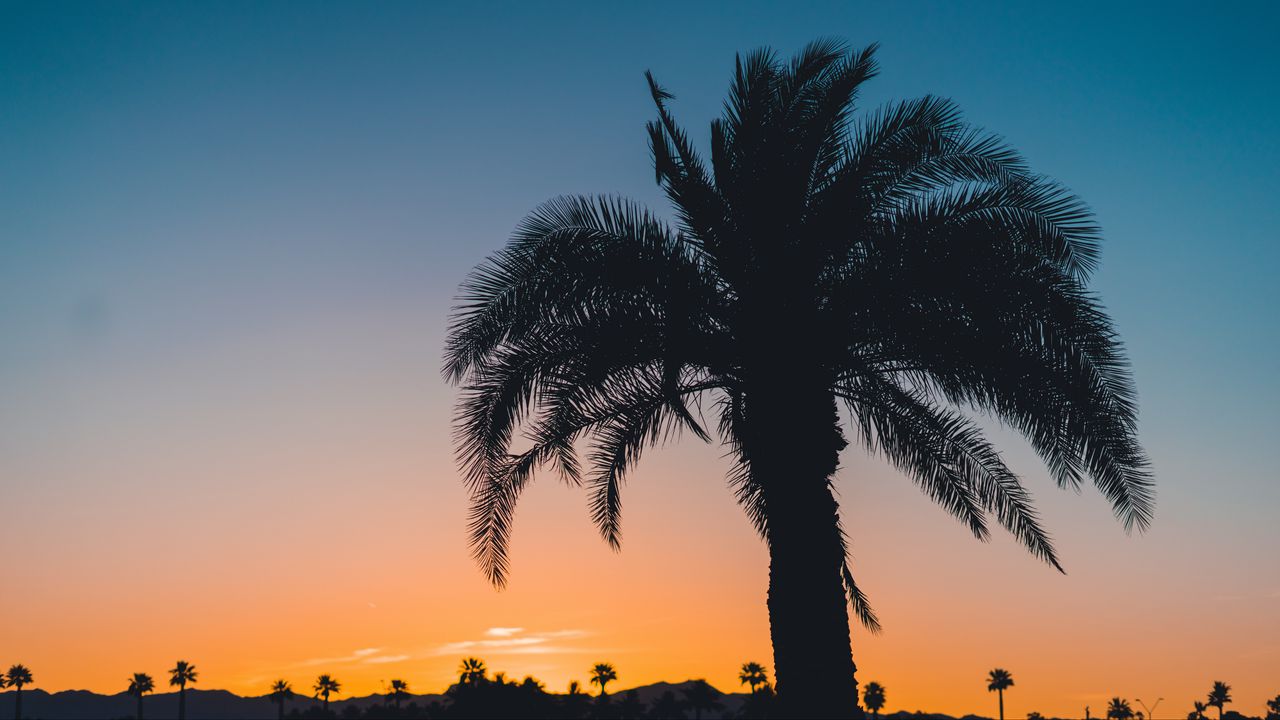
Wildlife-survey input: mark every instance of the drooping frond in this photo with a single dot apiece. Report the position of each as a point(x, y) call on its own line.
point(949, 458)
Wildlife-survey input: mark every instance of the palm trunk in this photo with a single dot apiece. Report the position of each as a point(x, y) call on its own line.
point(794, 449)
point(182, 702)
point(139, 706)
point(1000, 692)
point(17, 703)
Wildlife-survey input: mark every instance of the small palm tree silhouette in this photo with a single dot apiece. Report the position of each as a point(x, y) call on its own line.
point(139, 685)
point(700, 697)
point(873, 697)
point(1219, 696)
point(324, 686)
point(18, 676)
point(602, 674)
point(180, 675)
point(399, 689)
point(471, 671)
point(1197, 712)
point(281, 691)
point(753, 674)
point(1119, 709)
point(998, 681)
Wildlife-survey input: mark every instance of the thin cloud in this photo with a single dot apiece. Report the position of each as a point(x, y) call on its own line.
point(515, 641)
point(355, 656)
point(386, 659)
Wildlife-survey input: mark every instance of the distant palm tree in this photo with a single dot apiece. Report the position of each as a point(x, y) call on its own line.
point(323, 687)
point(753, 674)
point(399, 690)
point(667, 706)
point(998, 681)
point(281, 691)
point(139, 685)
point(700, 696)
point(1119, 709)
point(630, 708)
point(602, 674)
point(471, 671)
point(17, 677)
point(1033, 715)
point(873, 697)
point(1219, 696)
point(1273, 708)
point(181, 674)
point(1197, 713)
point(907, 266)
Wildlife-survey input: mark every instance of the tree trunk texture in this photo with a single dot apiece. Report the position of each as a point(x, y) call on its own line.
point(793, 449)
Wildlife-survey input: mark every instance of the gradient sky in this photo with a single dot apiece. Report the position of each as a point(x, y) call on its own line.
point(230, 234)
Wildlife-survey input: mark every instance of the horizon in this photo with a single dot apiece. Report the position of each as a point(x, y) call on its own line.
point(231, 236)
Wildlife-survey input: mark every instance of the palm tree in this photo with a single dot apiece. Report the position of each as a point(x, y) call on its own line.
point(471, 671)
point(602, 674)
point(399, 690)
point(1119, 709)
point(17, 677)
point(139, 685)
point(908, 267)
point(1197, 713)
point(1219, 696)
point(281, 691)
point(1273, 708)
point(753, 674)
point(323, 687)
point(873, 697)
point(700, 696)
point(181, 674)
point(998, 681)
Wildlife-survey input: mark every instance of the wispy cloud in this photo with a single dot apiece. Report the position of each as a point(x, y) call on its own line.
point(386, 659)
point(516, 641)
point(362, 654)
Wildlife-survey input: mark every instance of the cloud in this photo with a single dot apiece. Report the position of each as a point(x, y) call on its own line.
point(515, 641)
point(355, 656)
point(386, 659)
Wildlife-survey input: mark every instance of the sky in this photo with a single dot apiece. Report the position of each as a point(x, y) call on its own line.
point(230, 235)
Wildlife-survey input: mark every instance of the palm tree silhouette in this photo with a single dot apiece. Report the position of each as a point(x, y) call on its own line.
point(18, 677)
point(181, 674)
point(139, 685)
point(323, 687)
point(700, 696)
point(602, 674)
point(1197, 712)
point(873, 697)
point(907, 267)
point(399, 689)
point(281, 692)
point(998, 681)
point(471, 671)
point(753, 674)
point(1119, 709)
point(1219, 696)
